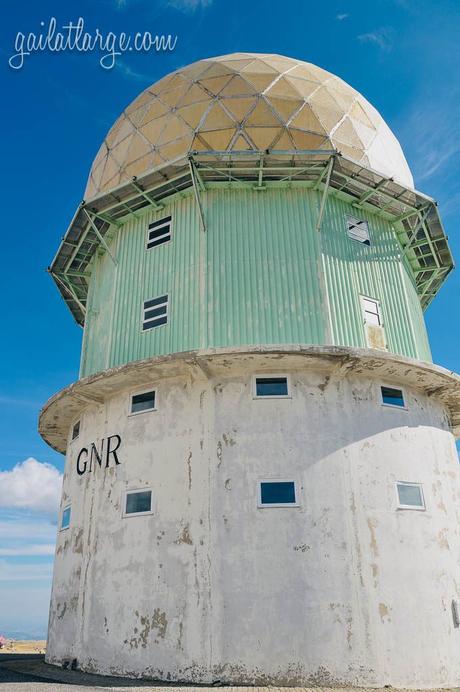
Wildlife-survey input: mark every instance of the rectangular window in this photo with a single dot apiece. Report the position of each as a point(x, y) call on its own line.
point(138, 502)
point(76, 430)
point(155, 312)
point(143, 402)
point(65, 519)
point(358, 229)
point(159, 232)
point(392, 397)
point(272, 387)
point(410, 495)
point(277, 493)
point(371, 310)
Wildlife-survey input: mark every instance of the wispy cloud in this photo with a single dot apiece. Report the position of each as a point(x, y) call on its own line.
point(382, 38)
point(36, 571)
point(451, 205)
point(31, 485)
point(131, 74)
point(432, 130)
point(188, 5)
point(429, 131)
point(341, 17)
point(14, 401)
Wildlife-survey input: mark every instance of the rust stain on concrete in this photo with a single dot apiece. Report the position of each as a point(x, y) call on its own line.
point(372, 524)
point(184, 536)
point(189, 469)
point(384, 612)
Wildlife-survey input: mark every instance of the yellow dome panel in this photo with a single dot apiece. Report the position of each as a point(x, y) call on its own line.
point(244, 101)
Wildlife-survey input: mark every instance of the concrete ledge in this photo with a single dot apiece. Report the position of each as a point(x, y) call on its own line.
point(65, 406)
point(40, 669)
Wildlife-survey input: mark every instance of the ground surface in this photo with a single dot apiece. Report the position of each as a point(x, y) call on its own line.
point(25, 672)
point(19, 646)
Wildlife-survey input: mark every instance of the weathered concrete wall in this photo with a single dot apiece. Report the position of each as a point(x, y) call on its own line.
point(345, 588)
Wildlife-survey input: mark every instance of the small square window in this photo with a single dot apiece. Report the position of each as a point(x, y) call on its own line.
point(138, 502)
point(271, 387)
point(76, 430)
point(155, 312)
point(277, 493)
point(410, 495)
point(159, 232)
point(65, 519)
point(145, 401)
point(392, 397)
point(358, 229)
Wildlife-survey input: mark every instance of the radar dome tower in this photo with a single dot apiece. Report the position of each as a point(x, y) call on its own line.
point(261, 480)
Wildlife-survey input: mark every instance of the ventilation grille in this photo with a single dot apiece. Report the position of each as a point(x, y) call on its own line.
point(358, 229)
point(159, 232)
point(155, 312)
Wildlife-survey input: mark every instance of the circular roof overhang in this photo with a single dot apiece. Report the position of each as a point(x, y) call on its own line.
point(62, 409)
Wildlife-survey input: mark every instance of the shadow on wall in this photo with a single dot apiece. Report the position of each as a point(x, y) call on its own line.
point(329, 414)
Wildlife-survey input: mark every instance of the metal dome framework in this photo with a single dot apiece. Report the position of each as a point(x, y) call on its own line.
point(240, 102)
point(415, 216)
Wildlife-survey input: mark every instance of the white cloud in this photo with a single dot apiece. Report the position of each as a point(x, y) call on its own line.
point(25, 535)
point(383, 38)
point(28, 549)
point(31, 485)
point(17, 528)
point(341, 17)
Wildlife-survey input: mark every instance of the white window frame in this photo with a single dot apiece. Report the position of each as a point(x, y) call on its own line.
point(417, 508)
point(72, 438)
point(64, 509)
point(269, 376)
point(170, 216)
point(263, 505)
point(394, 406)
point(364, 311)
point(356, 240)
point(132, 491)
point(167, 314)
point(144, 390)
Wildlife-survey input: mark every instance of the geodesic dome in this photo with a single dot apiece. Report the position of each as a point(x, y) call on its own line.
point(245, 101)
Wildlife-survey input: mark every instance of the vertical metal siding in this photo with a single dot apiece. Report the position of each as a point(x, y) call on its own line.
point(170, 268)
point(260, 274)
point(262, 269)
point(422, 345)
point(353, 268)
point(97, 335)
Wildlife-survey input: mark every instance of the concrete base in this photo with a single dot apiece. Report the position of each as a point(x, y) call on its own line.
point(345, 589)
point(78, 680)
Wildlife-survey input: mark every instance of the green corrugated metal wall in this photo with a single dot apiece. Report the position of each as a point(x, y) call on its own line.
point(260, 274)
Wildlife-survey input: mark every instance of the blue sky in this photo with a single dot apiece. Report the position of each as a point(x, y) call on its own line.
point(403, 55)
